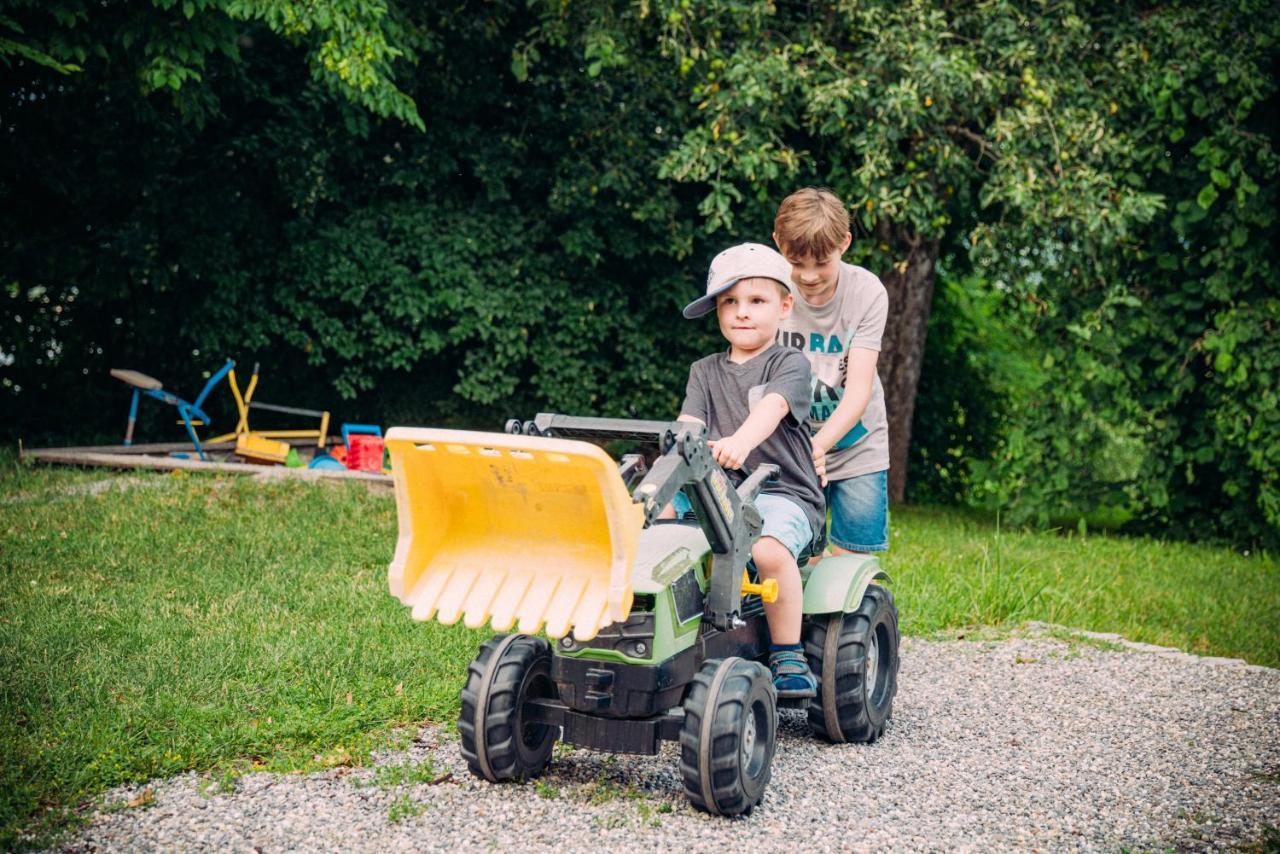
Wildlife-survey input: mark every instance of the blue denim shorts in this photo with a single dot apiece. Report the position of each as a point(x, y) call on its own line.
point(784, 520)
point(860, 512)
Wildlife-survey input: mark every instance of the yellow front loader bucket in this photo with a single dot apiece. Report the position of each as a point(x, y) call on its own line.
point(511, 529)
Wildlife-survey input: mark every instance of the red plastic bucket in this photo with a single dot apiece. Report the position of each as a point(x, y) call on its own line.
point(365, 453)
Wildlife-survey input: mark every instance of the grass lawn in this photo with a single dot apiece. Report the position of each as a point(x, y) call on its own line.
point(216, 624)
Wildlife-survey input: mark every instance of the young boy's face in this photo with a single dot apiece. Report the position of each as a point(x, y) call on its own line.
point(749, 314)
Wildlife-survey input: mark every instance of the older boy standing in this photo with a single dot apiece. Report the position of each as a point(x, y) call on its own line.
point(837, 322)
point(754, 399)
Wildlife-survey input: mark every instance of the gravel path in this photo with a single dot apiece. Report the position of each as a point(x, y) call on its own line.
point(1028, 742)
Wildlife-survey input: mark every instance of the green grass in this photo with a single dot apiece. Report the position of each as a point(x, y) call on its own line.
point(199, 623)
point(219, 625)
point(405, 774)
point(404, 808)
point(952, 569)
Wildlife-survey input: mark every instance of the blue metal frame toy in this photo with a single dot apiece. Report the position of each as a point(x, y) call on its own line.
point(191, 411)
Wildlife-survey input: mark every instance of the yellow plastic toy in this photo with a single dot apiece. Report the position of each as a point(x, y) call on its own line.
point(512, 530)
point(245, 402)
point(254, 446)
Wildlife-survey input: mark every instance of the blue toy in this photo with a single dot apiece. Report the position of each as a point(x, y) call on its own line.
point(192, 413)
point(362, 429)
point(325, 462)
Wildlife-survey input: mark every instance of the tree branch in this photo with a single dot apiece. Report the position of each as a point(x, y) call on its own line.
point(984, 147)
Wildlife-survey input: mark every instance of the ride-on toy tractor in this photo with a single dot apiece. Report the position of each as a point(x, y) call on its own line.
point(656, 630)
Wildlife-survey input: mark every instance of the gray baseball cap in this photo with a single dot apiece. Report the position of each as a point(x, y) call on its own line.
point(744, 261)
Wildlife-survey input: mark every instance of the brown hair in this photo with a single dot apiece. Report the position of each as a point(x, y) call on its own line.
point(811, 222)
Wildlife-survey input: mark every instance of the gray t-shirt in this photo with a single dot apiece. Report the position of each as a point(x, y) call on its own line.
point(854, 317)
point(721, 393)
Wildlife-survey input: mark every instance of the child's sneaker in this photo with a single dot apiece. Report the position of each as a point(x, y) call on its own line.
point(792, 678)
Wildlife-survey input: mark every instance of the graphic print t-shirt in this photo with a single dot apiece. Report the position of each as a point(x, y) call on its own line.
point(854, 317)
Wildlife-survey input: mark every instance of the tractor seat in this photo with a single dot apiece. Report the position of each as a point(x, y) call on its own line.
point(136, 379)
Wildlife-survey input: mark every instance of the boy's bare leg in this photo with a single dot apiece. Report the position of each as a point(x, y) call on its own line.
point(774, 560)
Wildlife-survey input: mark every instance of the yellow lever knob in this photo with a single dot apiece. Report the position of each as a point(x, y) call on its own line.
point(767, 590)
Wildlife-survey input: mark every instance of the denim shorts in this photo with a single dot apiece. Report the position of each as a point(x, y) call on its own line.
point(860, 512)
point(784, 520)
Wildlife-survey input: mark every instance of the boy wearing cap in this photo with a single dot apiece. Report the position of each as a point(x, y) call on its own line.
point(837, 322)
point(754, 399)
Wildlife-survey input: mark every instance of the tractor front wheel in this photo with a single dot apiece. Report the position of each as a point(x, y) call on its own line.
point(728, 736)
point(855, 657)
point(497, 742)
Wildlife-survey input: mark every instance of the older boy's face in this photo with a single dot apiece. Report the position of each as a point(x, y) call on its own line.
point(749, 314)
point(815, 278)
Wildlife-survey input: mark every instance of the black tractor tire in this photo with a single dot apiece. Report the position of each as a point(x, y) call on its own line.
point(496, 741)
point(852, 703)
point(728, 737)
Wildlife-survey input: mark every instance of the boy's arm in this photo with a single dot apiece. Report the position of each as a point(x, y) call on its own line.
point(787, 393)
point(860, 373)
point(732, 451)
point(859, 376)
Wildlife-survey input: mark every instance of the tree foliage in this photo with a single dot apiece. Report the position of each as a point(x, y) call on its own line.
point(1108, 167)
point(168, 45)
point(1143, 413)
point(459, 212)
point(514, 255)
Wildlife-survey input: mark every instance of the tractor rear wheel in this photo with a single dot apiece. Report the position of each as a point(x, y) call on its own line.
point(728, 737)
point(855, 657)
point(497, 742)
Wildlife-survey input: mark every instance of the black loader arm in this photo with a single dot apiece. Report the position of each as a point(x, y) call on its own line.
point(728, 516)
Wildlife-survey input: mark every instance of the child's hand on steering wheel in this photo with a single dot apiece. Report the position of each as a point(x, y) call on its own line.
point(730, 452)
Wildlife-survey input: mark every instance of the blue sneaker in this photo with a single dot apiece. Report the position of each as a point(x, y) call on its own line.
point(792, 678)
